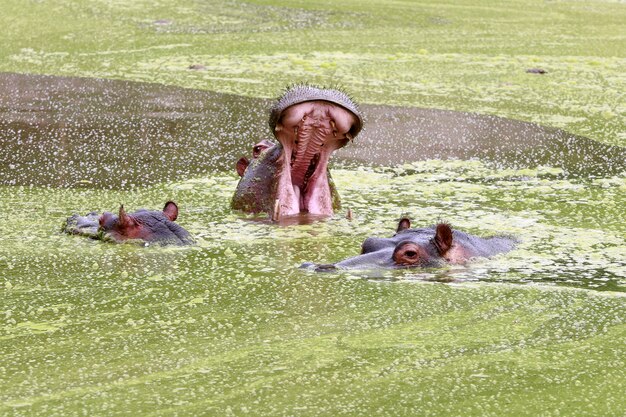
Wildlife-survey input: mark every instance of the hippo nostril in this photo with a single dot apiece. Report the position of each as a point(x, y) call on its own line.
point(325, 268)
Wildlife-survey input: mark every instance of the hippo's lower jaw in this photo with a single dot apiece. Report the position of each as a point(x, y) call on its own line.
point(309, 133)
point(309, 193)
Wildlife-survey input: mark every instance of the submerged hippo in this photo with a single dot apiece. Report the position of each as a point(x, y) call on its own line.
point(142, 226)
point(425, 247)
point(292, 177)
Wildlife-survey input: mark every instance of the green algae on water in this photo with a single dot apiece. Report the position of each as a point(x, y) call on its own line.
point(231, 326)
point(104, 329)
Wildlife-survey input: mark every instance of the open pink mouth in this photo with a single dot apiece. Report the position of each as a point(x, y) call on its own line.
point(309, 133)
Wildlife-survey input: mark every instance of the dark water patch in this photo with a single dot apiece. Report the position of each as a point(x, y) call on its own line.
point(77, 132)
point(69, 132)
point(397, 135)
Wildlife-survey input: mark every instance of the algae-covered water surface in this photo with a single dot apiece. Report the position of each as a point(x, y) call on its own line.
point(232, 325)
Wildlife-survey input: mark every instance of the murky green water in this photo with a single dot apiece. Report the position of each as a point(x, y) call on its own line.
point(231, 326)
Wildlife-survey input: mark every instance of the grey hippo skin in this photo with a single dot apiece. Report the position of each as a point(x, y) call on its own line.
point(292, 177)
point(425, 247)
point(142, 226)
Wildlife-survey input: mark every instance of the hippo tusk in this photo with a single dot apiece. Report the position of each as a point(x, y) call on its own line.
point(276, 213)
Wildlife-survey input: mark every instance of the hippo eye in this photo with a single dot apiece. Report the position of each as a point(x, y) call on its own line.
point(408, 253)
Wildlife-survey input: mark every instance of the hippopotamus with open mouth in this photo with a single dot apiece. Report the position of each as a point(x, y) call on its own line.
point(292, 177)
point(424, 247)
point(143, 226)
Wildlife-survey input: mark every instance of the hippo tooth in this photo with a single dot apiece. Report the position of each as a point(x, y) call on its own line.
point(296, 191)
point(276, 214)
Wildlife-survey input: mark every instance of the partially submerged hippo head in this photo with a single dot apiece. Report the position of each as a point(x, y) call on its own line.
point(141, 226)
point(425, 247)
point(292, 177)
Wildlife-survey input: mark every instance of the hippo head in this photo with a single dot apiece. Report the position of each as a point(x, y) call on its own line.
point(433, 246)
point(292, 177)
point(144, 225)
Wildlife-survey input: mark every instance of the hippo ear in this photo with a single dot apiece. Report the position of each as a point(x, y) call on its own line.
point(124, 219)
point(403, 224)
point(171, 210)
point(242, 164)
point(443, 238)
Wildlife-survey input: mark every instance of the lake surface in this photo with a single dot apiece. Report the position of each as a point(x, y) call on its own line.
point(232, 326)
